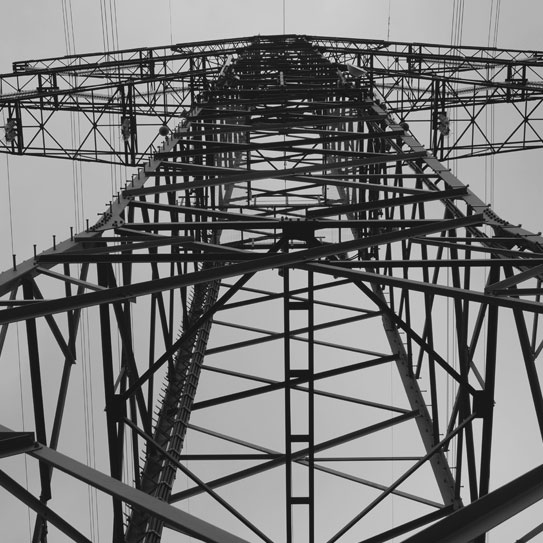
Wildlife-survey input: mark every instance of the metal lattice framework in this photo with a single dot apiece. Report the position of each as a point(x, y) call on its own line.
point(267, 295)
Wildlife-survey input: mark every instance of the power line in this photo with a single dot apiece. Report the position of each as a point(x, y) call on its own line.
point(457, 25)
point(388, 23)
point(10, 206)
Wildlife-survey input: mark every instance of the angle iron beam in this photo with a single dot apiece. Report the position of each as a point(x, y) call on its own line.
point(429, 455)
point(269, 224)
point(4, 328)
point(113, 442)
point(420, 286)
point(66, 278)
point(387, 202)
point(55, 330)
point(271, 336)
point(378, 486)
point(41, 509)
point(37, 391)
point(317, 392)
point(531, 369)
point(264, 263)
point(173, 460)
point(232, 176)
point(294, 382)
point(15, 443)
point(514, 280)
point(213, 147)
point(13, 278)
point(174, 518)
point(487, 397)
point(268, 295)
point(232, 290)
point(409, 526)
point(488, 247)
point(329, 471)
point(487, 512)
point(296, 455)
point(441, 263)
point(531, 534)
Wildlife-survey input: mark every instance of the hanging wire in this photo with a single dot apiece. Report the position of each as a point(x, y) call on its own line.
point(457, 26)
point(92, 435)
point(104, 25)
point(456, 36)
point(87, 410)
point(110, 36)
point(113, 24)
point(22, 403)
point(84, 336)
point(10, 206)
point(497, 22)
point(388, 22)
point(492, 41)
point(21, 394)
point(67, 38)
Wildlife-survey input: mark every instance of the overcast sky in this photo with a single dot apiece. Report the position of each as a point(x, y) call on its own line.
point(42, 190)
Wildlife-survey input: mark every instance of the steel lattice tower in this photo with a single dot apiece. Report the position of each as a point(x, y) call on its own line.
point(293, 302)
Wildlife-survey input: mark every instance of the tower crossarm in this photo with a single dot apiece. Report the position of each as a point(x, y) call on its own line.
point(136, 91)
point(459, 91)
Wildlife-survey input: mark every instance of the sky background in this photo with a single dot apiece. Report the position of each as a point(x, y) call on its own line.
point(37, 195)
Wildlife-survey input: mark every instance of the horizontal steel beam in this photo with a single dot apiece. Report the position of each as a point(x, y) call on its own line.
point(231, 177)
point(487, 512)
point(297, 455)
point(430, 288)
point(15, 443)
point(383, 203)
point(265, 263)
point(172, 517)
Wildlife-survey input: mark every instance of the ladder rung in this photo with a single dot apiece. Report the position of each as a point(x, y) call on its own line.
point(298, 373)
point(298, 305)
point(300, 500)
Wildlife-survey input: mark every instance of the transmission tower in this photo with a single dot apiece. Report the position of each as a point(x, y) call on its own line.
point(292, 307)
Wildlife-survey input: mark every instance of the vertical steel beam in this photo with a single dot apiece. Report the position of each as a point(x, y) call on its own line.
point(115, 455)
point(39, 413)
point(311, 402)
point(486, 398)
point(287, 405)
point(531, 370)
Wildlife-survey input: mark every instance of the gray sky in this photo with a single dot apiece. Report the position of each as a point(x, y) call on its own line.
point(42, 191)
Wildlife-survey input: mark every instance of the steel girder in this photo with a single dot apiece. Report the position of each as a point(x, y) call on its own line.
point(265, 302)
point(118, 100)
